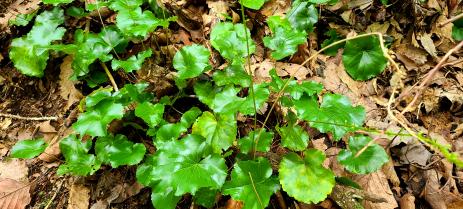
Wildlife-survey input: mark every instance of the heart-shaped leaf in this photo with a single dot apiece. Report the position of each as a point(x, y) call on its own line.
point(306, 179)
point(230, 40)
point(284, 40)
point(134, 62)
point(362, 157)
point(364, 58)
point(78, 161)
point(293, 137)
point(252, 183)
point(150, 113)
point(218, 129)
point(119, 150)
point(28, 149)
point(302, 16)
point(191, 61)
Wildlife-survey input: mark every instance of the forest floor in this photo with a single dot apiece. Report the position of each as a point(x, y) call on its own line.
point(415, 177)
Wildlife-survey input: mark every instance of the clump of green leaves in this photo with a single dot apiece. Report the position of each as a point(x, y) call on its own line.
point(29, 53)
point(192, 150)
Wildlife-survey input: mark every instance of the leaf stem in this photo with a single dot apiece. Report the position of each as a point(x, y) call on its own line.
point(453, 19)
point(111, 78)
point(255, 190)
point(248, 57)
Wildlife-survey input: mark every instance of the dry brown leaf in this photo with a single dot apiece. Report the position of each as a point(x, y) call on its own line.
point(414, 153)
point(407, 201)
point(376, 183)
point(14, 194)
point(15, 169)
point(67, 89)
point(428, 44)
point(79, 197)
point(438, 197)
point(275, 7)
point(19, 7)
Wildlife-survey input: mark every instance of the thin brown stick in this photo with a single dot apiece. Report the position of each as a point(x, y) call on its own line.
point(5, 115)
point(54, 195)
point(429, 76)
point(111, 78)
point(453, 19)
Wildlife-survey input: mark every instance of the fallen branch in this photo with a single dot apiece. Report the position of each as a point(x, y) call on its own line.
point(4, 115)
point(429, 76)
point(453, 19)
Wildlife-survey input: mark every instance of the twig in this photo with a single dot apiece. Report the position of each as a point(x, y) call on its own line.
point(54, 195)
point(4, 115)
point(111, 78)
point(453, 19)
point(429, 76)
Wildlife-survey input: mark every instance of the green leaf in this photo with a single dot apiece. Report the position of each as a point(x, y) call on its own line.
point(170, 132)
point(28, 149)
point(206, 197)
point(261, 93)
point(89, 47)
point(332, 51)
point(306, 179)
point(191, 61)
point(150, 113)
point(221, 100)
point(335, 115)
point(370, 160)
point(78, 161)
point(233, 74)
point(133, 63)
point(252, 183)
point(457, 30)
point(22, 19)
point(121, 5)
point(230, 40)
point(363, 57)
point(136, 23)
point(95, 121)
point(284, 40)
point(303, 16)
point(294, 89)
point(183, 166)
point(119, 151)
point(76, 12)
point(133, 93)
point(219, 130)
point(29, 53)
point(263, 145)
point(293, 137)
point(56, 2)
point(253, 4)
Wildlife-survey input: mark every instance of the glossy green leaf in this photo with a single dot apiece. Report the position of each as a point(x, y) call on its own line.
point(150, 113)
point(284, 40)
point(136, 23)
point(261, 94)
point(457, 30)
point(77, 12)
point(118, 150)
point(121, 5)
point(294, 89)
point(363, 57)
point(219, 130)
point(56, 2)
point(169, 132)
point(303, 16)
point(233, 74)
point(22, 19)
point(78, 161)
point(89, 47)
point(369, 160)
point(252, 183)
point(183, 166)
point(293, 137)
point(191, 61)
point(230, 40)
point(335, 115)
point(27, 149)
point(220, 99)
point(253, 4)
point(306, 179)
point(29, 53)
point(206, 197)
point(133, 93)
point(133, 63)
point(249, 142)
point(95, 122)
